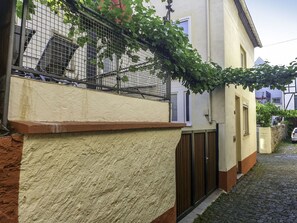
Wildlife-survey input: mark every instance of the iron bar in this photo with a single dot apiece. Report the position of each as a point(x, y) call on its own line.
point(167, 18)
point(87, 83)
point(23, 32)
point(12, 10)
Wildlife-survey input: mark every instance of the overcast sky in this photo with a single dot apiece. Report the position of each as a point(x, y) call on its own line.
point(276, 23)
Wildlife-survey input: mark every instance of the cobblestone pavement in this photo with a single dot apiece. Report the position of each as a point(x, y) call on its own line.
point(268, 193)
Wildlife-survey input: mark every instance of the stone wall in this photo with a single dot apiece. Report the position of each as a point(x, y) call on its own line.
point(278, 133)
point(10, 160)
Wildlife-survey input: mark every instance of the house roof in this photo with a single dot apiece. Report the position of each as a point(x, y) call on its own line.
point(248, 23)
point(259, 61)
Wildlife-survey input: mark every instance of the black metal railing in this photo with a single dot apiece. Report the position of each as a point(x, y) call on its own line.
point(90, 52)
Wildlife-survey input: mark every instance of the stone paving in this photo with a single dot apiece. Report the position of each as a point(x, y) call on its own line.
point(267, 194)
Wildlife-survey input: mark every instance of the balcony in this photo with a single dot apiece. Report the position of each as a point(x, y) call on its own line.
point(90, 53)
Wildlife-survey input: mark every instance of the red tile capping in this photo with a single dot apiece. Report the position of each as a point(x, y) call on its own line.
point(26, 127)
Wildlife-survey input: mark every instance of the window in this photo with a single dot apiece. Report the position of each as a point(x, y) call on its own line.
point(243, 57)
point(181, 106)
point(174, 107)
point(184, 24)
point(276, 100)
point(57, 55)
point(245, 120)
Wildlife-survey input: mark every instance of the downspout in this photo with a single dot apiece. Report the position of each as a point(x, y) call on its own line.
point(208, 48)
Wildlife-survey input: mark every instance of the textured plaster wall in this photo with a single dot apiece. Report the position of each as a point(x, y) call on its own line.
point(108, 177)
point(38, 101)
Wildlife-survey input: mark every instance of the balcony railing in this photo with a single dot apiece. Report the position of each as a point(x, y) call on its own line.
point(89, 54)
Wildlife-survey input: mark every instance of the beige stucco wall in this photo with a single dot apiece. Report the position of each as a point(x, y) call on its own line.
point(270, 137)
point(32, 100)
point(265, 140)
point(227, 35)
point(233, 25)
point(106, 177)
point(248, 142)
point(196, 12)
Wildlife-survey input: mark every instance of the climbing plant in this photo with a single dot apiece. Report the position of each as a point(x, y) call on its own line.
point(174, 55)
point(267, 110)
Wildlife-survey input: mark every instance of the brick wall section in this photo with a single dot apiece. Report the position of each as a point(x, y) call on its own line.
point(10, 160)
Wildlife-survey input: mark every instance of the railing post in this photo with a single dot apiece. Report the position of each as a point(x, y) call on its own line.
point(91, 57)
point(118, 75)
point(7, 23)
point(23, 32)
point(168, 94)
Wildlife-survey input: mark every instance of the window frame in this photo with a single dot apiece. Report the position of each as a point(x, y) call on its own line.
point(188, 19)
point(245, 118)
point(278, 98)
point(183, 106)
point(171, 107)
point(243, 59)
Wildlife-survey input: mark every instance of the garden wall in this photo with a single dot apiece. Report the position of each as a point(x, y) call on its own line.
point(103, 176)
point(270, 137)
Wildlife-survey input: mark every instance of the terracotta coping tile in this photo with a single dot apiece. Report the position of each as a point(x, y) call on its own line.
point(27, 127)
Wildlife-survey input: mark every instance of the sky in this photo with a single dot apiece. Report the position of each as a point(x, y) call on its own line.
point(276, 23)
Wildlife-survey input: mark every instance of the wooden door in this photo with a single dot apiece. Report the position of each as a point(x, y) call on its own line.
point(196, 169)
point(183, 174)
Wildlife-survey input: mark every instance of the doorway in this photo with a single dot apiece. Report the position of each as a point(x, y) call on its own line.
point(238, 133)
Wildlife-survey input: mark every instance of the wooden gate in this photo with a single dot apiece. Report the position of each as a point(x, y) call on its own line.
point(196, 169)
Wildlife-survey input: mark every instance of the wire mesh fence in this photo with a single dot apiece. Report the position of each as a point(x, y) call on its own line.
point(86, 53)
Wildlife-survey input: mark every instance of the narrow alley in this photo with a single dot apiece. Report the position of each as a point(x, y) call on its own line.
point(268, 193)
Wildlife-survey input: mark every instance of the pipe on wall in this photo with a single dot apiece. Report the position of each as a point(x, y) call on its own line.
point(208, 48)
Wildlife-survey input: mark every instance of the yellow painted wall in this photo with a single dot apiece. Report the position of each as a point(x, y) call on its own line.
point(227, 35)
point(235, 37)
point(39, 101)
point(107, 177)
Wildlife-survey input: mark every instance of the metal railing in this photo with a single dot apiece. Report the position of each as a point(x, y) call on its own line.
point(91, 53)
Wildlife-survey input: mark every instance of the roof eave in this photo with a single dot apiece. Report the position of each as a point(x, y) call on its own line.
point(248, 23)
